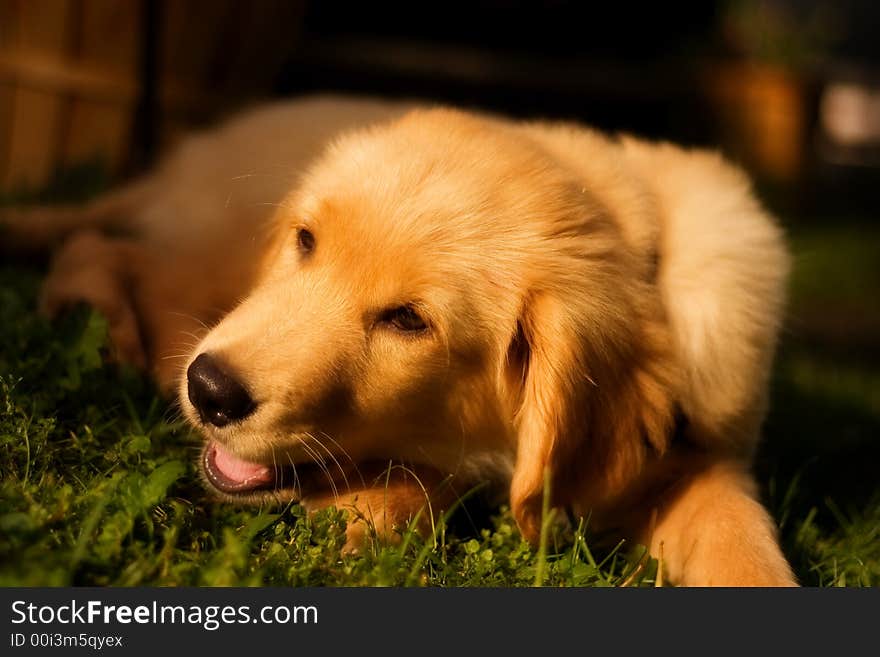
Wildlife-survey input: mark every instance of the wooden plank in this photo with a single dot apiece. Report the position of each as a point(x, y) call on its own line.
point(31, 158)
point(8, 23)
point(33, 148)
point(269, 34)
point(35, 70)
point(188, 84)
point(188, 54)
point(42, 24)
point(109, 39)
point(7, 96)
point(8, 32)
point(98, 132)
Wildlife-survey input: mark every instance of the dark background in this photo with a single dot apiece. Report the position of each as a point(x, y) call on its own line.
point(729, 74)
point(119, 82)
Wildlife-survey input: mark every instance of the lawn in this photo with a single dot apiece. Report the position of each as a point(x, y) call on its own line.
point(98, 486)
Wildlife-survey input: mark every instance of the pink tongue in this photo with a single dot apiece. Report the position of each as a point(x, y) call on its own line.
point(238, 470)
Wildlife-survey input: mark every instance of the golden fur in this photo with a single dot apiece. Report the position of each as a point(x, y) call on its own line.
point(582, 293)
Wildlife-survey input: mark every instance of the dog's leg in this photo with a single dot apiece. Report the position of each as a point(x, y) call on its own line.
point(37, 228)
point(385, 502)
point(712, 531)
point(95, 270)
point(157, 303)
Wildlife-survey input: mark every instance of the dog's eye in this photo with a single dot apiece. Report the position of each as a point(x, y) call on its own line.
point(404, 318)
point(305, 240)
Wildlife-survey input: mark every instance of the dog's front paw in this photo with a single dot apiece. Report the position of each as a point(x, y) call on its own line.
point(367, 526)
point(89, 270)
point(357, 538)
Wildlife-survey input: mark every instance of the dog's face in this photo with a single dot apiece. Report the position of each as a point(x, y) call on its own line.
point(397, 312)
point(384, 310)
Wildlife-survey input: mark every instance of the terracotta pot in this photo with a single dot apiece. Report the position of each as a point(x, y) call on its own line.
point(763, 114)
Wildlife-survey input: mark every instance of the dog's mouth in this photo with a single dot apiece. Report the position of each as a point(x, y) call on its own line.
point(233, 475)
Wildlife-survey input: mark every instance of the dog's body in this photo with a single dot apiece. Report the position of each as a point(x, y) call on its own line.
point(469, 296)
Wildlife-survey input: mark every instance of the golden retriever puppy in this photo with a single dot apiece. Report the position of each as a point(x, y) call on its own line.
point(472, 298)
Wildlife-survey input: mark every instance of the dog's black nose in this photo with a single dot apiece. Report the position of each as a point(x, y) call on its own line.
point(218, 396)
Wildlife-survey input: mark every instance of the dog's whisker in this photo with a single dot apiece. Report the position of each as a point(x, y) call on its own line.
point(182, 346)
point(331, 454)
point(283, 206)
point(186, 345)
point(175, 356)
point(173, 415)
point(297, 485)
point(333, 457)
point(319, 461)
point(409, 470)
point(462, 448)
point(343, 451)
point(283, 172)
point(275, 467)
point(346, 455)
point(198, 320)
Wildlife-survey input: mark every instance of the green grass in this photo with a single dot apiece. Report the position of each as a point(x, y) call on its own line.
point(821, 451)
point(98, 486)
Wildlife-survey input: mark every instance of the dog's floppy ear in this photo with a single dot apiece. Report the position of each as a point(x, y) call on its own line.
point(593, 384)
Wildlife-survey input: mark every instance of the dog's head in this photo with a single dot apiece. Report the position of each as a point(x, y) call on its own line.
point(439, 291)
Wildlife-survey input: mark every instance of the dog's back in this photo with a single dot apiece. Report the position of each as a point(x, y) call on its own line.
point(723, 272)
point(719, 261)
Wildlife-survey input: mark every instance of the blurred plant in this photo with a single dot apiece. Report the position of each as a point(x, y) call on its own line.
point(785, 33)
